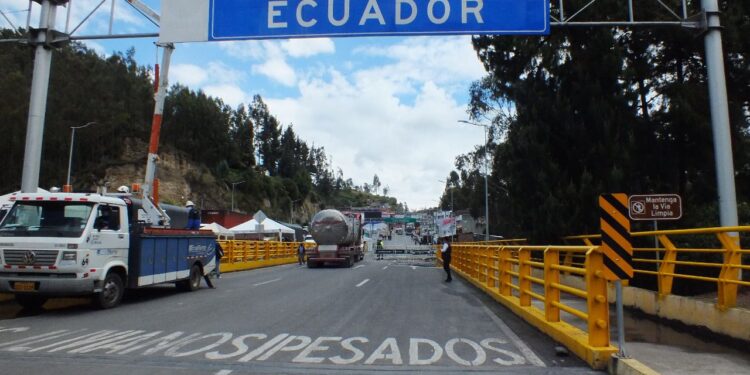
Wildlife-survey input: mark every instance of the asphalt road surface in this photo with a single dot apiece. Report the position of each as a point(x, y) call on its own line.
point(377, 317)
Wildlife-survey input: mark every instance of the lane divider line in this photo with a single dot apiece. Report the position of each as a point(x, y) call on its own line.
point(363, 282)
point(266, 282)
point(385, 267)
point(359, 266)
point(224, 372)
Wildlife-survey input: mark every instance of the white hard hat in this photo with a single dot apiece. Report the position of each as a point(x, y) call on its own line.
point(123, 189)
point(54, 189)
point(189, 204)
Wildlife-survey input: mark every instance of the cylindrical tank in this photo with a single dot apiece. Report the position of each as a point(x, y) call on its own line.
point(331, 227)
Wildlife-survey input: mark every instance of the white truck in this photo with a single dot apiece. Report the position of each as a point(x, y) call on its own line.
point(65, 244)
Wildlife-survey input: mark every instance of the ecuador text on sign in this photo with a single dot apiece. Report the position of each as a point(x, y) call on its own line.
point(615, 228)
point(254, 19)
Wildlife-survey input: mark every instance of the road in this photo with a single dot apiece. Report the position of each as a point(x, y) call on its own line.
point(377, 317)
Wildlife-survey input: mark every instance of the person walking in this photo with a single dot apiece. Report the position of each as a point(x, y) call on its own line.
point(194, 217)
point(301, 253)
point(379, 250)
point(446, 252)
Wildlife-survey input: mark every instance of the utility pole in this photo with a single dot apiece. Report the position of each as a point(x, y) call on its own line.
point(486, 192)
point(717, 93)
point(42, 39)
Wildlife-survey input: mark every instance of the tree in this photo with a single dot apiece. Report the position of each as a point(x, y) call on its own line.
point(375, 183)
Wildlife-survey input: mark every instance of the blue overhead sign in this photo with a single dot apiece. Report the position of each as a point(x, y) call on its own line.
point(264, 19)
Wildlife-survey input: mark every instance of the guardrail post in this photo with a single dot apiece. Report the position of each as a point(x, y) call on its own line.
point(551, 276)
point(491, 266)
point(505, 276)
point(598, 306)
point(666, 269)
point(524, 271)
point(729, 272)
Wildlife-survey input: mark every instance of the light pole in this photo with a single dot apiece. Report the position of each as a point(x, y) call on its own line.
point(486, 196)
point(233, 185)
point(70, 155)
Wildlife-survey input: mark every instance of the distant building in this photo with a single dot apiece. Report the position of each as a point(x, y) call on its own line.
point(225, 218)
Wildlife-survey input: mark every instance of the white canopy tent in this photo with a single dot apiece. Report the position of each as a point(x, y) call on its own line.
point(267, 226)
point(219, 230)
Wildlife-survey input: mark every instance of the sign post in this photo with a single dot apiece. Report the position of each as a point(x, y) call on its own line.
point(617, 251)
point(655, 207)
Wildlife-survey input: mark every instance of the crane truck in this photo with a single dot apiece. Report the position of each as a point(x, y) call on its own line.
point(338, 238)
point(63, 244)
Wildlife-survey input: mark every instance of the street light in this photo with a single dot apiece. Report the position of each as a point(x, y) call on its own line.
point(72, 139)
point(233, 185)
point(486, 199)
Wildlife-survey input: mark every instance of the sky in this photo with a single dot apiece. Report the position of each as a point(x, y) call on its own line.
point(378, 105)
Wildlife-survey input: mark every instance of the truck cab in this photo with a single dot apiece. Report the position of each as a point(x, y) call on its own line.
point(63, 244)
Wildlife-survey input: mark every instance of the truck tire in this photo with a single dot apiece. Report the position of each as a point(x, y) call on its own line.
point(31, 301)
point(311, 264)
point(193, 282)
point(112, 292)
point(349, 261)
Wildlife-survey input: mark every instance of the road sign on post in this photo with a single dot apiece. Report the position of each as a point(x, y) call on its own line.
point(655, 207)
point(208, 20)
point(615, 230)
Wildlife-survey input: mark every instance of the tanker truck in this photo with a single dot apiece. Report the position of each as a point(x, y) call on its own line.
point(338, 237)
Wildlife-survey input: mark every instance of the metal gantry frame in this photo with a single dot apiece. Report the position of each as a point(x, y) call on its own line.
point(674, 13)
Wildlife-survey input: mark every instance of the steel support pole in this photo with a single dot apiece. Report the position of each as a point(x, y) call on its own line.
point(620, 319)
point(717, 92)
point(486, 192)
point(70, 155)
point(38, 101)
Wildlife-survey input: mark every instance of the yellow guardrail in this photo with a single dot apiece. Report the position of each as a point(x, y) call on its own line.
point(517, 276)
point(242, 255)
point(723, 259)
point(513, 241)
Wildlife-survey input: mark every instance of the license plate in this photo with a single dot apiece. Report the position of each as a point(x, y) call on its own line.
point(24, 286)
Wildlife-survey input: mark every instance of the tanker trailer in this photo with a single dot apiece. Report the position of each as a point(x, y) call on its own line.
point(338, 237)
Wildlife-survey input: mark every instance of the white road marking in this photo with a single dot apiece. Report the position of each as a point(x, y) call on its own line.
point(525, 350)
point(224, 372)
point(224, 345)
point(363, 282)
point(266, 282)
point(359, 266)
point(413, 267)
point(385, 267)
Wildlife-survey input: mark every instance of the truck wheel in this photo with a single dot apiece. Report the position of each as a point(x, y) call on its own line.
point(193, 282)
point(30, 301)
point(112, 291)
point(311, 264)
point(350, 261)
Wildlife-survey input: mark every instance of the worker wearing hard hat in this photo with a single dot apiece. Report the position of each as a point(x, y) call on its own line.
point(194, 217)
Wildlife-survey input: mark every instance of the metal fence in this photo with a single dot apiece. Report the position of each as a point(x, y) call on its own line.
point(703, 255)
point(516, 276)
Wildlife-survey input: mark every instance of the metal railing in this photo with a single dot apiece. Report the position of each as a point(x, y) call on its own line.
point(244, 254)
point(517, 276)
point(711, 255)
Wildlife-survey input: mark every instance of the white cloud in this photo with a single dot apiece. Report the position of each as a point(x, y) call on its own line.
point(366, 127)
point(308, 47)
point(248, 49)
point(231, 94)
point(278, 70)
point(187, 74)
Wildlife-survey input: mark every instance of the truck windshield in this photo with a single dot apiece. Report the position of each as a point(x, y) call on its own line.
point(46, 219)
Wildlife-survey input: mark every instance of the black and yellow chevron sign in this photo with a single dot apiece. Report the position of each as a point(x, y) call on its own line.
point(615, 227)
